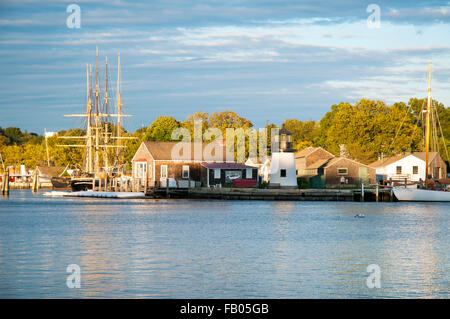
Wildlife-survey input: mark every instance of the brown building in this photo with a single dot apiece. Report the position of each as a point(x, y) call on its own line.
point(322, 169)
point(187, 165)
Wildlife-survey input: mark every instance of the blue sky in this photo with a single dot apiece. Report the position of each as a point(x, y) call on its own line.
point(265, 60)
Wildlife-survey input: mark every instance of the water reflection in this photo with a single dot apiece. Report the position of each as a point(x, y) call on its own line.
point(220, 249)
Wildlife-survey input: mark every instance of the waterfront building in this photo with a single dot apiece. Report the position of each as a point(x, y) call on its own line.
point(282, 168)
point(322, 169)
point(183, 165)
point(410, 166)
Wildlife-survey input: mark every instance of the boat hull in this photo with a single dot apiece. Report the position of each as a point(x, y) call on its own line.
point(81, 184)
point(420, 195)
point(60, 182)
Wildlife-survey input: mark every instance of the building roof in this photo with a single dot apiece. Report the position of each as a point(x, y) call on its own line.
point(319, 163)
point(226, 166)
point(304, 152)
point(309, 150)
point(389, 160)
point(163, 151)
point(284, 131)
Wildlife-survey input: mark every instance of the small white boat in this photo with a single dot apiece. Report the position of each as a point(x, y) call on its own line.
point(421, 195)
point(123, 195)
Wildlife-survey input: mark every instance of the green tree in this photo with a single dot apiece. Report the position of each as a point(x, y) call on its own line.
point(161, 129)
point(303, 133)
point(368, 129)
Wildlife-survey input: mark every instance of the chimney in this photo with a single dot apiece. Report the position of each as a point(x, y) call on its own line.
point(343, 151)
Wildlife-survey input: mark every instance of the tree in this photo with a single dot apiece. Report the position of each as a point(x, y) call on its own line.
point(303, 133)
point(189, 123)
point(368, 129)
point(417, 105)
point(229, 119)
point(161, 129)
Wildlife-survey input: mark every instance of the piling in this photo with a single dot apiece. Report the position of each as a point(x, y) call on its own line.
point(362, 192)
point(35, 186)
point(377, 194)
point(5, 184)
point(167, 187)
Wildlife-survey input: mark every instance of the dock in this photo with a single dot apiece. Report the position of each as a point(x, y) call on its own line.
point(344, 195)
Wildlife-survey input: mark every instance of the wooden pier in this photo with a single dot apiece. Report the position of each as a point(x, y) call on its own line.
point(348, 195)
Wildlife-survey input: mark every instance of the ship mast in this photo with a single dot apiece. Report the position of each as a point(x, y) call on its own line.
point(119, 110)
point(97, 127)
point(105, 135)
point(427, 137)
point(106, 86)
point(89, 167)
point(101, 140)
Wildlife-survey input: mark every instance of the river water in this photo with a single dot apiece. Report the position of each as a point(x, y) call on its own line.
point(221, 249)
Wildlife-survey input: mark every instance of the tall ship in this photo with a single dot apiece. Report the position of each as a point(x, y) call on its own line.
point(102, 140)
point(426, 192)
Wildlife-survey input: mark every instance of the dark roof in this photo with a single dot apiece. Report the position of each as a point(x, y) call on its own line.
point(226, 166)
point(284, 131)
point(163, 151)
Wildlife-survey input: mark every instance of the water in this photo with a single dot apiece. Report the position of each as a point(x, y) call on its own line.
point(221, 249)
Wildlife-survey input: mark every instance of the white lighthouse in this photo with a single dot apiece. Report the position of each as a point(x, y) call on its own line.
point(282, 168)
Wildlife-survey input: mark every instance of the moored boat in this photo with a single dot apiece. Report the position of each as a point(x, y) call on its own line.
point(427, 193)
point(60, 182)
point(421, 195)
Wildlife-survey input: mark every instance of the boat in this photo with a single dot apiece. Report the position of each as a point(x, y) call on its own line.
point(428, 193)
point(60, 182)
point(99, 138)
point(421, 195)
point(97, 194)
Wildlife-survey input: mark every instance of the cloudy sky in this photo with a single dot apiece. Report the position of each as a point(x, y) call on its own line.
point(264, 59)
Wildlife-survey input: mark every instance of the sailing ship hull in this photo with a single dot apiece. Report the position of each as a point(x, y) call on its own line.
point(60, 182)
point(421, 195)
point(81, 184)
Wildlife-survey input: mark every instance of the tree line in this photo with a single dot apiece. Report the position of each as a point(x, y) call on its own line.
point(367, 128)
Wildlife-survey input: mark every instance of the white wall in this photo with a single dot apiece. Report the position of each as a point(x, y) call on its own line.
point(283, 161)
point(407, 164)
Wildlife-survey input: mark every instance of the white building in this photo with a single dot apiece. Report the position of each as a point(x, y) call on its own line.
point(282, 166)
point(410, 166)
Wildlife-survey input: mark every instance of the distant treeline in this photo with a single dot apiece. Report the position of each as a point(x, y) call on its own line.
point(367, 128)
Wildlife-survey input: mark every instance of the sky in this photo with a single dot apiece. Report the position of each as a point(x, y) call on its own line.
point(266, 60)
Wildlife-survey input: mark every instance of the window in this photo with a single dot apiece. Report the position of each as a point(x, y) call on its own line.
point(249, 173)
point(163, 171)
point(140, 170)
point(230, 175)
point(185, 171)
point(217, 173)
point(415, 169)
point(282, 173)
point(399, 169)
point(342, 171)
